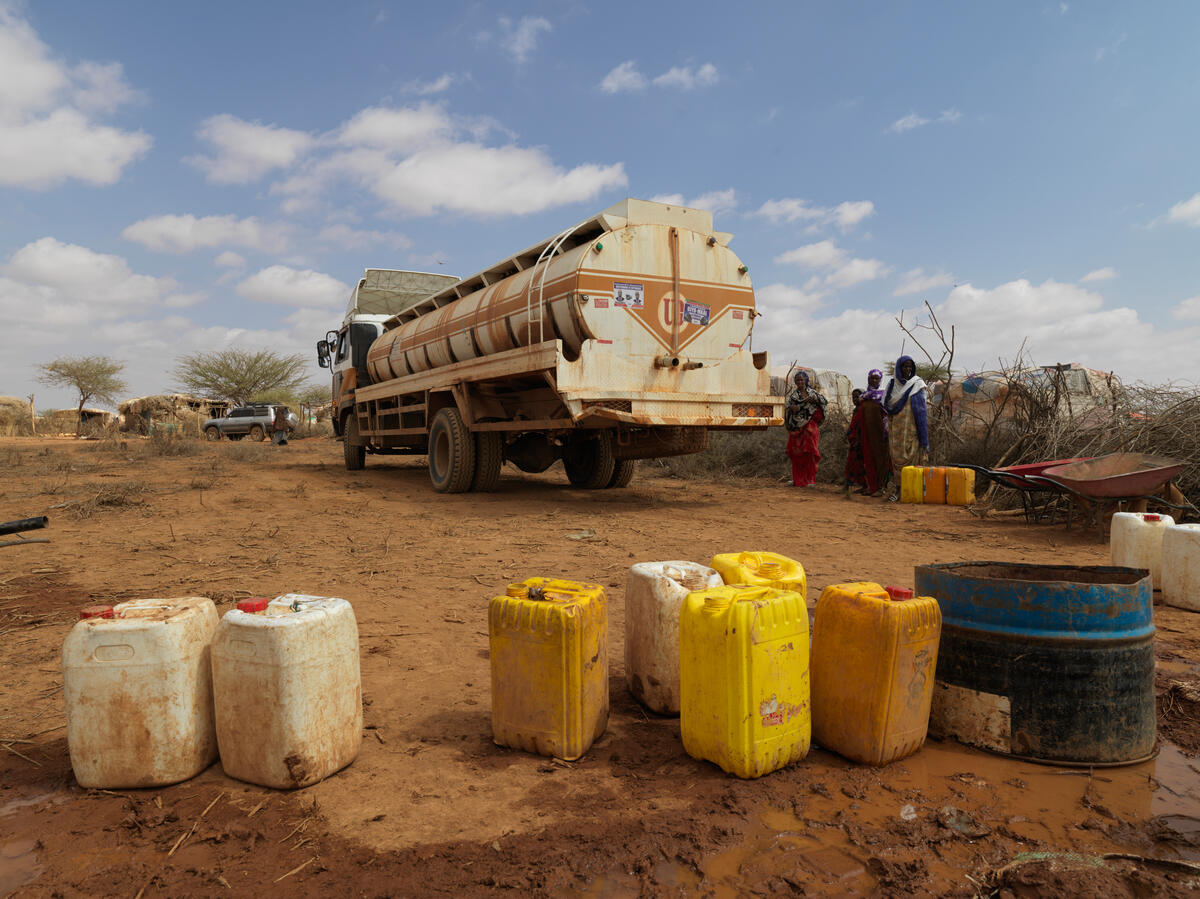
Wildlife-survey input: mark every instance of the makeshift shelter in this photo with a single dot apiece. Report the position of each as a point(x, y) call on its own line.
point(14, 416)
point(983, 400)
point(169, 412)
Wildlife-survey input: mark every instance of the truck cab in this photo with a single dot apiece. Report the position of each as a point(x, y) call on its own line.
point(379, 295)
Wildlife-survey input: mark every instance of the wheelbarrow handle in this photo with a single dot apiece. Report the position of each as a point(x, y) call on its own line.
point(23, 524)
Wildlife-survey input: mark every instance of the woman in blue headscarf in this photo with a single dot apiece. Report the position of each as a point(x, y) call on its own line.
point(904, 400)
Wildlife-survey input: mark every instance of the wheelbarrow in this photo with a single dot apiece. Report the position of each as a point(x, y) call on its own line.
point(1025, 481)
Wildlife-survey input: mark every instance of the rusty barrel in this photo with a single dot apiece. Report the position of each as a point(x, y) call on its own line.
point(1054, 663)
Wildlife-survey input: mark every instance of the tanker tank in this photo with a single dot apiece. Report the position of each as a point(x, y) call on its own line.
point(650, 286)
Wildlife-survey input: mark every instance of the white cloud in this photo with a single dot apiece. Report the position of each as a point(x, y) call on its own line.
point(47, 131)
point(230, 259)
point(102, 87)
point(403, 129)
point(1101, 274)
point(1188, 310)
point(626, 78)
point(471, 178)
point(245, 151)
point(352, 238)
point(916, 281)
point(780, 298)
point(286, 286)
point(1186, 212)
point(685, 78)
point(185, 233)
point(790, 209)
point(823, 254)
point(50, 282)
point(715, 201)
point(623, 78)
point(913, 120)
point(908, 123)
point(426, 88)
point(1061, 323)
point(856, 271)
point(521, 39)
point(421, 160)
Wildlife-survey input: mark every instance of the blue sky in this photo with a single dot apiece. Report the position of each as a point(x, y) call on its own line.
point(177, 178)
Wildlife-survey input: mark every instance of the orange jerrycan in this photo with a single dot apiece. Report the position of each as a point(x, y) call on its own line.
point(960, 486)
point(912, 484)
point(549, 649)
point(762, 569)
point(873, 657)
point(935, 485)
point(743, 678)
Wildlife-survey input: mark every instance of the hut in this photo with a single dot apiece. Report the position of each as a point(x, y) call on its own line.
point(15, 417)
point(180, 412)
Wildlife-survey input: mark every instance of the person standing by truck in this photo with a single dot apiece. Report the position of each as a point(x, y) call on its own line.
point(803, 416)
point(904, 400)
point(280, 426)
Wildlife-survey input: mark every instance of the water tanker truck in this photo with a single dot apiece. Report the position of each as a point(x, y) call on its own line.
point(625, 337)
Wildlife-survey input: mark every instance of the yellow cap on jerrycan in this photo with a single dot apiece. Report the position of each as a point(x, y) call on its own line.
point(912, 484)
point(874, 652)
point(761, 569)
point(549, 649)
point(743, 677)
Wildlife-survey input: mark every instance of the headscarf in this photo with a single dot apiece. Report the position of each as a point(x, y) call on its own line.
point(874, 393)
point(899, 390)
point(802, 403)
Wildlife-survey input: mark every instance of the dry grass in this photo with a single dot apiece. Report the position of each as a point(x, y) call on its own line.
point(111, 496)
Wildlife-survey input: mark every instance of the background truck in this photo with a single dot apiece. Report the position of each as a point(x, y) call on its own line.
point(624, 337)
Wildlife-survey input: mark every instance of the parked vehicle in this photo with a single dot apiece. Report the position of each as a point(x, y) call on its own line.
point(625, 337)
point(245, 421)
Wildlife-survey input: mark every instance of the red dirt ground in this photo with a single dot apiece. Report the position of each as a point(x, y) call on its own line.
point(432, 806)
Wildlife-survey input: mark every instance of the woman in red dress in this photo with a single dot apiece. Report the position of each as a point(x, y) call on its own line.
point(803, 416)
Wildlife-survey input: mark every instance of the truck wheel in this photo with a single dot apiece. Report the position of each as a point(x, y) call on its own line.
point(489, 456)
point(451, 452)
point(355, 452)
point(589, 461)
point(257, 433)
point(622, 473)
point(212, 432)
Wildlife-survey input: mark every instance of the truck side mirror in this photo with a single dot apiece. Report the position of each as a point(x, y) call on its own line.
point(323, 353)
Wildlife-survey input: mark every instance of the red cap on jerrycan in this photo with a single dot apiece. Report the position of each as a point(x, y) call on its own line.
point(1151, 517)
point(96, 612)
point(253, 605)
point(899, 592)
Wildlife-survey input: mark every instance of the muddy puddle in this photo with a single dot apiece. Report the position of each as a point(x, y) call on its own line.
point(929, 820)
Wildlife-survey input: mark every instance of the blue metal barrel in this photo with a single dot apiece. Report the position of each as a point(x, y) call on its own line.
point(1053, 663)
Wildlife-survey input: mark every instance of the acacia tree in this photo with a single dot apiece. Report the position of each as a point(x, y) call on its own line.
point(241, 375)
point(92, 376)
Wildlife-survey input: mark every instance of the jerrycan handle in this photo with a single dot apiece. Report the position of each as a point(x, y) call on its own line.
point(673, 572)
point(756, 558)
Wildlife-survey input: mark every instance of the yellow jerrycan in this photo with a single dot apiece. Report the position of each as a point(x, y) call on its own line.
point(912, 484)
point(743, 678)
point(549, 649)
point(873, 658)
point(960, 486)
point(935, 485)
point(762, 569)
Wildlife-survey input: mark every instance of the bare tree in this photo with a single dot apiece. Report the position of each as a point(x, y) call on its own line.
point(93, 376)
point(241, 375)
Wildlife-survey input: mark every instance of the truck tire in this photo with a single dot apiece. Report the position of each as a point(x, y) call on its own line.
point(451, 452)
point(489, 456)
point(622, 473)
point(257, 433)
point(589, 461)
point(212, 432)
point(355, 452)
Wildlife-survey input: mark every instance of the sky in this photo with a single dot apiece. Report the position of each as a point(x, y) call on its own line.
point(183, 178)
